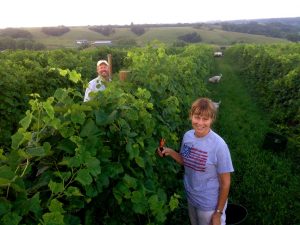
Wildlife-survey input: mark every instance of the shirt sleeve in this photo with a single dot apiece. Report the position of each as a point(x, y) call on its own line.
point(86, 95)
point(224, 164)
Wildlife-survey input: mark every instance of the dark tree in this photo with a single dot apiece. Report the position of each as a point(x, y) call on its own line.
point(55, 31)
point(138, 30)
point(104, 30)
point(191, 37)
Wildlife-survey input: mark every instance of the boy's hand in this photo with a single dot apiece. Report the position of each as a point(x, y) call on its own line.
point(162, 142)
point(160, 151)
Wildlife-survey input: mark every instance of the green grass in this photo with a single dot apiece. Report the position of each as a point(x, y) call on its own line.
point(164, 34)
point(209, 34)
point(263, 181)
point(237, 110)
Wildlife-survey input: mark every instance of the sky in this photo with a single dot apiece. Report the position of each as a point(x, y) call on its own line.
point(45, 13)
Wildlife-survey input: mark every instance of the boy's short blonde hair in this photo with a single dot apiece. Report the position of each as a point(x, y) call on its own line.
point(203, 107)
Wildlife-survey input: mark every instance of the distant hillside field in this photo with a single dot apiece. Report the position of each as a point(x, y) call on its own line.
point(210, 34)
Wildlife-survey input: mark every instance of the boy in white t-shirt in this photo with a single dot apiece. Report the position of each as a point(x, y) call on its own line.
point(207, 166)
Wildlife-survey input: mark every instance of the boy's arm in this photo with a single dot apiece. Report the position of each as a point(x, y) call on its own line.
point(224, 190)
point(172, 153)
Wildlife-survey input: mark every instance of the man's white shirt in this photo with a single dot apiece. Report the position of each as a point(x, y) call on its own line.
point(95, 85)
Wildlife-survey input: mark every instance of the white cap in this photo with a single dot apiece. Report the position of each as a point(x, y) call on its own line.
point(101, 62)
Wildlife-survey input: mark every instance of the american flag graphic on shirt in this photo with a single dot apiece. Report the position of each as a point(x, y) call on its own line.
point(194, 158)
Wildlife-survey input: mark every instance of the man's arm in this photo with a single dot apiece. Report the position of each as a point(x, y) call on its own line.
point(86, 95)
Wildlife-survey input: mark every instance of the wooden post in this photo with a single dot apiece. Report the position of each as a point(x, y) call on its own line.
point(123, 75)
point(110, 64)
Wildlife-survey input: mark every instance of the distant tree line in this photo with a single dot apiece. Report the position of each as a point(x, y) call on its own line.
point(274, 29)
point(104, 30)
point(109, 30)
point(15, 38)
point(154, 25)
point(22, 44)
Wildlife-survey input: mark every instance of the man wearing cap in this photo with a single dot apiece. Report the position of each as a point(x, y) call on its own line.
point(97, 83)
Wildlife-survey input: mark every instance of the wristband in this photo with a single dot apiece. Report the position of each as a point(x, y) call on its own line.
point(219, 211)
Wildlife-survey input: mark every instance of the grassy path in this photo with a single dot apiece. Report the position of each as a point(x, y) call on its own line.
point(238, 114)
point(261, 179)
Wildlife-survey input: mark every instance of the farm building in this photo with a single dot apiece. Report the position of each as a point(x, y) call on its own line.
point(97, 43)
point(82, 42)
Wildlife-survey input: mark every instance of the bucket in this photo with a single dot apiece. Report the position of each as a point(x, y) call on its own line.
point(275, 142)
point(235, 214)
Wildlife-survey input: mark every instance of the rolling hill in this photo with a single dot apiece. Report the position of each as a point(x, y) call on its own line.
point(210, 34)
